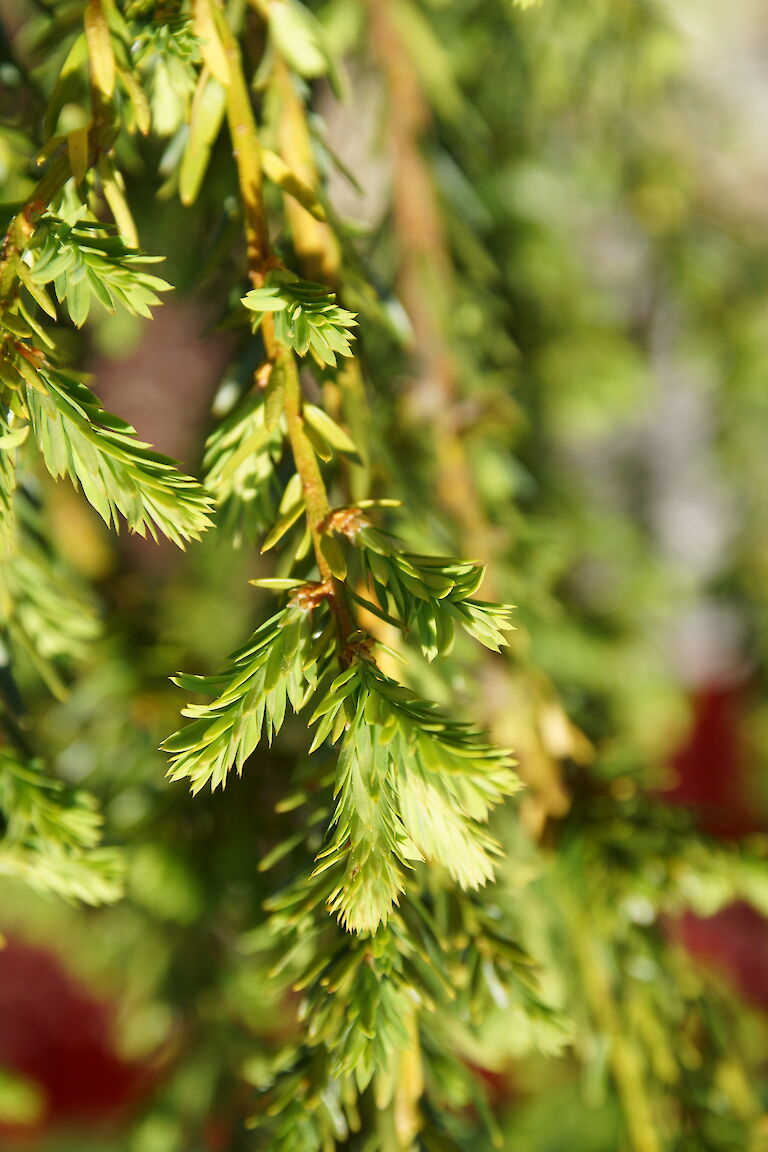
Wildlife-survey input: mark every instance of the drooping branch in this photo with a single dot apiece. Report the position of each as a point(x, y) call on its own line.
point(247, 152)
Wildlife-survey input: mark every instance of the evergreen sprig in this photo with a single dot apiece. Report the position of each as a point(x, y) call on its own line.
point(359, 993)
point(52, 834)
point(306, 317)
point(428, 595)
point(366, 1000)
point(99, 452)
point(45, 611)
point(359, 999)
point(88, 260)
point(411, 785)
point(239, 469)
point(279, 665)
point(166, 54)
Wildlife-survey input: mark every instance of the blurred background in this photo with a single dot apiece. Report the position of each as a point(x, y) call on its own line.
point(555, 231)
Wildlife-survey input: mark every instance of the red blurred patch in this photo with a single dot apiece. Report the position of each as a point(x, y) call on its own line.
point(735, 943)
point(712, 768)
point(713, 778)
point(58, 1035)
